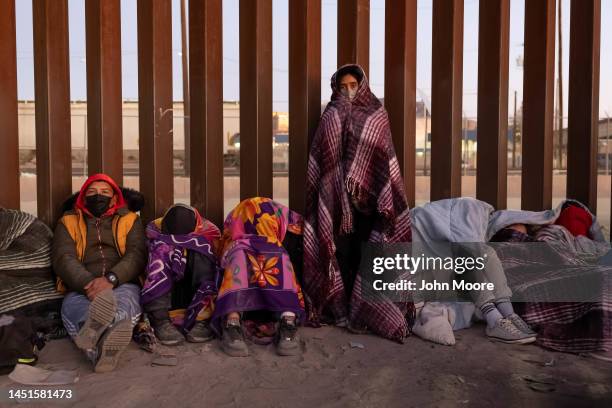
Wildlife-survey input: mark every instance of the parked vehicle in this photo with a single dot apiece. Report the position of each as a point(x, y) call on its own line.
point(280, 151)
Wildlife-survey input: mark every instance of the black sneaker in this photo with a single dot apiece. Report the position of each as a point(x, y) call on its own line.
point(232, 340)
point(287, 342)
point(200, 332)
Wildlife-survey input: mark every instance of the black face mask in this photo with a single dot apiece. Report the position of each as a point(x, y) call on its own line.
point(97, 204)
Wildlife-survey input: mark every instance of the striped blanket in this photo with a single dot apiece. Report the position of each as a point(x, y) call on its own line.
point(26, 278)
point(553, 263)
point(352, 166)
point(568, 326)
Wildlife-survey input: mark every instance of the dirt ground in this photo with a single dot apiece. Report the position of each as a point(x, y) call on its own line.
point(331, 373)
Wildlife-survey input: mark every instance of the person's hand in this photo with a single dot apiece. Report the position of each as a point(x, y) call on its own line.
point(176, 256)
point(96, 286)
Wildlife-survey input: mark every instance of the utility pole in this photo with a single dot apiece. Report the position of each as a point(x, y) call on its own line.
point(514, 135)
point(607, 143)
point(464, 147)
point(425, 144)
point(560, 87)
point(186, 108)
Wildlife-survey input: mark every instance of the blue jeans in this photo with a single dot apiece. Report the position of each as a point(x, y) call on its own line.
point(75, 308)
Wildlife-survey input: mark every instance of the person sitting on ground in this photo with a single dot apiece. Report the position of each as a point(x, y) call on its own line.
point(181, 274)
point(354, 194)
point(98, 254)
point(258, 277)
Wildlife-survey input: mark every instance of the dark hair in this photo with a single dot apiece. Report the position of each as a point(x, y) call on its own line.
point(571, 203)
point(179, 220)
point(511, 235)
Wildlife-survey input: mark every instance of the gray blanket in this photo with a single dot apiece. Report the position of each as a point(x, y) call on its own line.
point(469, 220)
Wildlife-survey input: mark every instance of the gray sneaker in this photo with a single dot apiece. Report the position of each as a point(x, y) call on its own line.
point(200, 333)
point(287, 342)
point(112, 344)
point(101, 314)
point(506, 332)
point(166, 332)
point(232, 341)
point(521, 325)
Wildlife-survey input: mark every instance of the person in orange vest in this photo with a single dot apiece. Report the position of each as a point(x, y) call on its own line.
point(98, 254)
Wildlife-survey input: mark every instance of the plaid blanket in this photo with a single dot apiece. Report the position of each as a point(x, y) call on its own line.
point(352, 165)
point(569, 326)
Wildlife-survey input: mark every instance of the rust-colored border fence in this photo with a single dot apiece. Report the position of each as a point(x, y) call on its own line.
point(103, 32)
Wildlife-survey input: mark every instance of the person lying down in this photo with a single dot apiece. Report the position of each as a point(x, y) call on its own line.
point(568, 327)
point(576, 238)
point(465, 220)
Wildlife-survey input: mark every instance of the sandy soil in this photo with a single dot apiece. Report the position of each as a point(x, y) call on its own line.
point(331, 373)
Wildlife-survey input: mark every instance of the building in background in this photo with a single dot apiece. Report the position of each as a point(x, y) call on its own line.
point(281, 139)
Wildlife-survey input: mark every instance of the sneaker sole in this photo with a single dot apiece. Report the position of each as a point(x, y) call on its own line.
point(101, 314)
point(198, 339)
point(112, 345)
point(171, 342)
point(526, 340)
point(288, 352)
point(235, 352)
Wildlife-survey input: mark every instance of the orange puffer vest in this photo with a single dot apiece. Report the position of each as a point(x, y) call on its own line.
point(75, 224)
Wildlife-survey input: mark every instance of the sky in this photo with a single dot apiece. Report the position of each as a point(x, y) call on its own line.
point(280, 35)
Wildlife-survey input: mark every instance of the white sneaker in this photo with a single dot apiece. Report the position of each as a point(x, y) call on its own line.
point(521, 325)
point(506, 332)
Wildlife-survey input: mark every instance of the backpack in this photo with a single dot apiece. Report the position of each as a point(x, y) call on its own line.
point(19, 342)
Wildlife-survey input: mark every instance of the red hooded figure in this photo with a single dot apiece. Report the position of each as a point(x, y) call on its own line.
point(98, 254)
point(576, 219)
point(81, 200)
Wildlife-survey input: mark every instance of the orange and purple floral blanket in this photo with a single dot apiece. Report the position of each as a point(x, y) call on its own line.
point(258, 273)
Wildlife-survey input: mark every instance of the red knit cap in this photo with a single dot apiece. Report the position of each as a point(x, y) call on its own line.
point(576, 219)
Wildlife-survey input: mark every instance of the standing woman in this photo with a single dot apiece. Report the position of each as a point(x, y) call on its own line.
point(354, 194)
